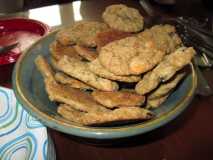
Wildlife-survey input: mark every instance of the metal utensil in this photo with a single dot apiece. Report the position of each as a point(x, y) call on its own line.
point(5, 49)
point(203, 87)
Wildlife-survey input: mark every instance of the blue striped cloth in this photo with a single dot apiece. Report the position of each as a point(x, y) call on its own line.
point(21, 135)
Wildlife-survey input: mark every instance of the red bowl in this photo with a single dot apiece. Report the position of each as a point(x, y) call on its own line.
point(22, 30)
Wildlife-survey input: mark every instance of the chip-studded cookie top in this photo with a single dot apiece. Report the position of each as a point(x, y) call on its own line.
point(123, 18)
point(82, 33)
point(130, 56)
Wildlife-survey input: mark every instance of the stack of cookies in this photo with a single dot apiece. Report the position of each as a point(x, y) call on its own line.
point(115, 70)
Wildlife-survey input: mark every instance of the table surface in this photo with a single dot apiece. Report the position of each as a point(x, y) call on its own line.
point(187, 137)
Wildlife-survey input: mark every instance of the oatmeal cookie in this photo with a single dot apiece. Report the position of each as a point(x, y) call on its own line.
point(79, 70)
point(123, 18)
point(99, 70)
point(72, 82)
point(82, 33)
point(89, 54)
point(164, 36)
point(166, 87)
point(130, 56)
point(94, 118)
point(57, 51)
point(155, 103)
point(165, 69)
point(118, 98)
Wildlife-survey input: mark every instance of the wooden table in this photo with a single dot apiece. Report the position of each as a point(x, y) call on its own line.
point(190, 136)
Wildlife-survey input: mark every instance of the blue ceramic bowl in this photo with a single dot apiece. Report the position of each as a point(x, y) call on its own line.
point(29, 89)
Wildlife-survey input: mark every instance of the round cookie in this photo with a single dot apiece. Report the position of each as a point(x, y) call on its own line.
point(81, 33)
point(130, 56)
point(123, 18)
point(115, 56)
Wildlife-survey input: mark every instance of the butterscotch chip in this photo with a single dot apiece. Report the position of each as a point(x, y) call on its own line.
point(79, 70)
point(81, 33)
point(85, 52)
point(165, 69)
point(123, 18)
point(58, 51)
point(99, 70)
point(148, 58)
point(118, 98)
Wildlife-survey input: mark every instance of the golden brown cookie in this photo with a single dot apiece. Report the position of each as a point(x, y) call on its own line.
point(64, 94)
point(166, 87)
point(97, 118)
point(118, 98)
point(123, 18)
point(156, 102)
point(81, 33)
point(74, 97)
point(44, 68)
point(165, 69)
point(79, 70)
point(57, 51)
point(99, 70)
point(89, 54)
point(164, 36)
point(72, 82)
point(130, 56)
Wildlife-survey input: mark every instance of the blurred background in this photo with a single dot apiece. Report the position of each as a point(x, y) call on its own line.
point(179, 7)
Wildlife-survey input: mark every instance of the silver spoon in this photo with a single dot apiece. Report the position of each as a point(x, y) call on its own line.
point(203, 87)
point(5, 49)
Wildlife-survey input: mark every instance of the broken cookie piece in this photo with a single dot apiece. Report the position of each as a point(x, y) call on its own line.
point(118, 98)
point(97, 118)
point(58, 51)
point(165, 69)
point(81, 33)
point(74, 83)
point(87, 53)
point(44, 68)
point(156, 102)
point(79, 70)
point(166, 87)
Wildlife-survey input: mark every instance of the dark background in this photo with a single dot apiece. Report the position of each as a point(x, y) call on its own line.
point(182, 7)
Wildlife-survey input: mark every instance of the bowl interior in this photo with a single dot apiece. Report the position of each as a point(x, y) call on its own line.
point(29, 89)
point(24, 31)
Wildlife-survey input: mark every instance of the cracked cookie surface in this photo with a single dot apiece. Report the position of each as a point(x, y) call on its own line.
point(123, 18)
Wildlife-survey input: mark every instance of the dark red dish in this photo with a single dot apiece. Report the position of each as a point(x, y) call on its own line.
point(22, 30)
